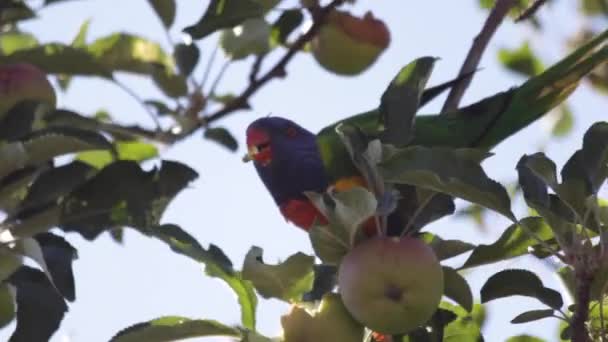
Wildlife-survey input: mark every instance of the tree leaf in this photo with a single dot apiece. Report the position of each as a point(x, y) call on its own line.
point(79, 41)
point(137, 151)
point(325, 280)
point(55, 58)
point(7, 306)
point(457, 288)
point(532, 315)
point(14, 41)
point(223, 137)
point(287, 22)
point(40, 308)
point(13, 11)
point(399, 102)
point(224, 14)
point(564, 121)
point(465, 328)
point(58, 256)
point(445, 249)
point(123, 194)
point(186, 56)
point(165, 10)
point(452, 171)
point(172, 328)
point(519, 282)
point(216, 264)
point(524, 338)
point(513, 242)
point(521, 60)
point(252, 37)
point(287, 281)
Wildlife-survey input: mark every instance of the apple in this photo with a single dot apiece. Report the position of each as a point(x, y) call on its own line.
point(347, 45)
point(391, 285)
point(330, 323)
point(22, 81)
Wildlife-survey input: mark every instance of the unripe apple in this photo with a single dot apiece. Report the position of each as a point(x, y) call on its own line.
point(347, 45)
point(22, 81)
point(391, 285)
point(330, 323)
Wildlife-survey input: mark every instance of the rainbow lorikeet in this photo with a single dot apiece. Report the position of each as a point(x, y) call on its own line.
point(291, 160)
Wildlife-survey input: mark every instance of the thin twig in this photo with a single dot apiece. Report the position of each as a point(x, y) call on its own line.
point(530, 11)
point(473, 58)
point(208, 67)
point(141, 101)
point(219, 77)
point(278, 70)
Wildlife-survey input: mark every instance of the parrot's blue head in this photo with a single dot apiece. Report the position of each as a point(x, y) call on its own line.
point(286, 157)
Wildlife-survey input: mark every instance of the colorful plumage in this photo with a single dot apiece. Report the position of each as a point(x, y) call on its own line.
point(291, 160)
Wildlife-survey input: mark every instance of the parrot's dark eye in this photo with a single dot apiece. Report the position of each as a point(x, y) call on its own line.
point(291, 131)
point(263, 146)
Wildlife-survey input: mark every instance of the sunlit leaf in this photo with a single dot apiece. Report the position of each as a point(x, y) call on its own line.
point(124, 150)
point(521, 60)
point(172, 328)
point(249, 38)
point(14, 41)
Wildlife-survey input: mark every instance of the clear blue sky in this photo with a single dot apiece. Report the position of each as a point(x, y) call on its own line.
point(121, 285)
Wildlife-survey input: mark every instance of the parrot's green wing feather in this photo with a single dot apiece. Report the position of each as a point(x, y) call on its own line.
point(485, 123)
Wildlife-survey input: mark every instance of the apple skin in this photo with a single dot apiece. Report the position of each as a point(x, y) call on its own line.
point(391, 285)
point(331, 323)
point(347, 45)
point(22, 81)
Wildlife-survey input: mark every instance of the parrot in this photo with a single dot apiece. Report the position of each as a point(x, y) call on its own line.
point(291, 160)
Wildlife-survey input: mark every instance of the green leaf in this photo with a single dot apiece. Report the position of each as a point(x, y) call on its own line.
point(46, 144)
point(524, 338)
point(7, 306)
point(452, 171)
point(186, 56)
point(399, 102)
point(122, 194)
point(15, 41)
point(79, 41)
point(224, 14)
point(222, 136)
point(564, 121)
point(13, 11)
point(165, 10)
point(532, 315)
point(10, 261)
point(249, 38)
point(171, 328)
point(594, 7)
point(445, 249)
point(287, 281)
point(521, 60)
point(137, 151)
point(57, 58)
point(130, 53)
point(513, 242)
point(465, 328)
point(519, 282)
point(595, 154)
point(287, 22)
point(457, 288)
point(595, 318)
point(217, 265)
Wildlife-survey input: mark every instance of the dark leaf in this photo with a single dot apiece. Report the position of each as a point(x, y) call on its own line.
point(58, 256)
point(457, 288)
point(513, 242)
point(287, 22)
point(186, 56)
point(7, 306)
point(216, 264)
point(287, 281)
point(325, 280)
point(445, 249)
point(222, 136)
point(524, 338)
point(40, 308)
point(224, 14)
point(165, 9)
point(123, 194)
point(532, 315)
point(161, 108)
point(172, 328)
point(18, 121)
point(452, 171)
point(400, 101)
point(14, 10)
point(519, 282)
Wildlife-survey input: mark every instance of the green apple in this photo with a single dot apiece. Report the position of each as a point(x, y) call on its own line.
point(22, 81)
point(391, 285)
point(347, 45)
point(330, 323)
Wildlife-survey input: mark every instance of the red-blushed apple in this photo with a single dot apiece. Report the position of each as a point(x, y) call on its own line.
point(330, 323)
point(22, 81)
point(347, 45)
point(391, 285)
